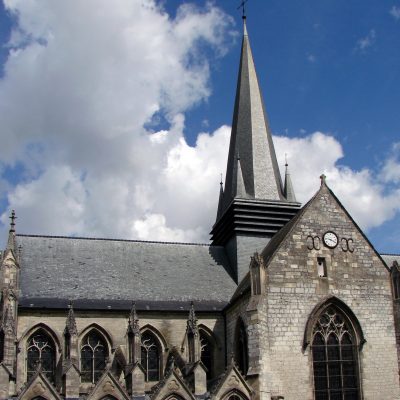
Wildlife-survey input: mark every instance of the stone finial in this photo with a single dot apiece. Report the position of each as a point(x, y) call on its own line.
point(192, 320)
point(11, 235)
point(8, 321)
point(323, 179)
point(133, 323)
point(70, 325)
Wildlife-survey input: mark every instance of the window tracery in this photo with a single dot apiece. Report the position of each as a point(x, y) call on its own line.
point(206, 353)
point(334, 352)
point(93, 357)
point(150, 355)
point(41, 350)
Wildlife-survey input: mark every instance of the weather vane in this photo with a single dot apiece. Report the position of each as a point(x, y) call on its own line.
point(243, 8)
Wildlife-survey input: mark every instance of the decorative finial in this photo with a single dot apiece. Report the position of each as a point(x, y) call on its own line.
point(221, 180)
point(242, 4)
point(70, 325)
point(133, 323)
point(12, 223)
point(192, 320)
point(323, 179)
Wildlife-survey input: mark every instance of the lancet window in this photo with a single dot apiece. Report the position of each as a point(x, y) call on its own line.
point(1, 345)
point(93, 357)
point(242, 356)
point(206, 353)
point(396, 282)
point(335, 357)
point(41, 351)
point(150, 356)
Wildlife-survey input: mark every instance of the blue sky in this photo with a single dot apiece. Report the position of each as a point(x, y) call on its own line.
point(327, 66)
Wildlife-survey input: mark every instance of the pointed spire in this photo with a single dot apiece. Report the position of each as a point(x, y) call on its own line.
point(70, 324)
point(133, 323)
point(220, 200)
point(288, 190)
point(239, 182)
point(251, 138)
point(192, 321)
point(11, 234)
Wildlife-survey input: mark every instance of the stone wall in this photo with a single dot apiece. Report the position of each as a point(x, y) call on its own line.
point(358, 278)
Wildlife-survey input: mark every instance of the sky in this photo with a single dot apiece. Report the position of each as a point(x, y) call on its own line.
point(115, 116)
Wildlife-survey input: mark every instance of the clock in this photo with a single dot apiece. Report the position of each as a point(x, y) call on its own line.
point(330, 239)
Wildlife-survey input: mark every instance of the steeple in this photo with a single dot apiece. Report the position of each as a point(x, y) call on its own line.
point(288, 190)
point(253, 205)
point(251, 138)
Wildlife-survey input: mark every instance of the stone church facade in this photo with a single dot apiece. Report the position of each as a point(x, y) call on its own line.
point(287, 302)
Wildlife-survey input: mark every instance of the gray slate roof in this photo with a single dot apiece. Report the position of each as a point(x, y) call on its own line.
point(390, 259)
point(101, 273)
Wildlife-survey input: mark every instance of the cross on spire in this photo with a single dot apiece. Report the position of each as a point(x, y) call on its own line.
point(242, 6)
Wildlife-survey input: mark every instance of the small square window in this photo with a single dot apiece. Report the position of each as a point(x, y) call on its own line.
point(321, 267)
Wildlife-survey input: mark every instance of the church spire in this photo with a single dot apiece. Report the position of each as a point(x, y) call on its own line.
point(288, 190)
point(251, 138)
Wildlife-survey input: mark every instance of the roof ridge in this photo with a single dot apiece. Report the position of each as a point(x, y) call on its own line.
point(390, 254)
point(114, 240)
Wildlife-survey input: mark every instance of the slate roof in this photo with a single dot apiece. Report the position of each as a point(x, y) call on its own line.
point(251, 140)
point(390, 259)
point(102, 273)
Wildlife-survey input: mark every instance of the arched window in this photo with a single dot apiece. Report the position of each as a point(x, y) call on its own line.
point(41, 350)
point(1, 345)
point(93, 357)
point(335, 355)
point(150, 356)
point(39, 398)
point(206, 353)
point(396, 281)
point(108, 397)
point(234, 395)
point(242, 356)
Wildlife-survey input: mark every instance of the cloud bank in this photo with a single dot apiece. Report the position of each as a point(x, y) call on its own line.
point(78, 99)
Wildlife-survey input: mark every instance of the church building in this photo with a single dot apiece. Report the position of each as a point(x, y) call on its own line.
point(287, 301)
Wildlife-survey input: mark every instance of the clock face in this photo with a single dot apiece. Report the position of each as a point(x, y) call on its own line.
point(330, 239)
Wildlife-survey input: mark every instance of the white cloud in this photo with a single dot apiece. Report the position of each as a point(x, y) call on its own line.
point(367, 41)
point(77, 96)
point(395, 12)
point(362, 192)
point(311, 58)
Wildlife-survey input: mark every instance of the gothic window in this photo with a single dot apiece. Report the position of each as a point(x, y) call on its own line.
point(235, 395)
point(242, 357)
point(150, 356)
point(41, 350)
point(396, 282)
point(93, 357)
point(1, 345)
point(206, 353)
point(335, 353)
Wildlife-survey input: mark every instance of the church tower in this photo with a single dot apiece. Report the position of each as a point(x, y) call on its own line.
point(252, 205)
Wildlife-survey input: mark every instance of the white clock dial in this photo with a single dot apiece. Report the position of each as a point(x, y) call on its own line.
point(330, 239)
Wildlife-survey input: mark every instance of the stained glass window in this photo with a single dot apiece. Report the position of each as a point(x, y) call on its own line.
point(206, 353)
point(150, 356)
point(334, 354)
point(93, 357)
point(242, 357)
point(41, 350)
